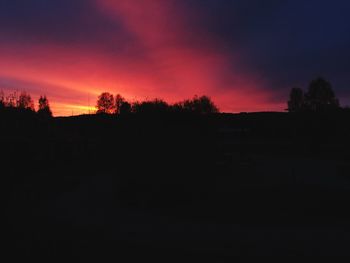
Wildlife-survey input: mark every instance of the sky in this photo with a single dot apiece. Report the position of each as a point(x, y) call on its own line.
point(245, 54)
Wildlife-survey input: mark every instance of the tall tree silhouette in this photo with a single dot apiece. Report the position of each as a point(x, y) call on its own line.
point(2, 99)
point(44, 107)
point(105, 103)
point(119, 101)
point(296, 100)
point(320, 96)
point(25, 101)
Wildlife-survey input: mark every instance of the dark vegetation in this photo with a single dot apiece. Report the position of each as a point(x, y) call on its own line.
point(319, 97)
point(107, 104)
point(178, 182)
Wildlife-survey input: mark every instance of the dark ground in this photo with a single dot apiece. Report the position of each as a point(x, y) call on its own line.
point(177, 188)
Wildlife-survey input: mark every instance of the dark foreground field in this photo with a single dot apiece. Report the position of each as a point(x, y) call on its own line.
point(176, 188)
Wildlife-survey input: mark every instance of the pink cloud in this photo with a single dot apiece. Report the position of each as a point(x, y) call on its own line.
point(164, 59)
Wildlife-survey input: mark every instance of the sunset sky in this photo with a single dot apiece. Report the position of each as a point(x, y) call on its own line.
point(245, 54)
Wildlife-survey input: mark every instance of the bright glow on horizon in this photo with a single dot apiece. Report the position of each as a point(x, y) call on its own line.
point(150, 54)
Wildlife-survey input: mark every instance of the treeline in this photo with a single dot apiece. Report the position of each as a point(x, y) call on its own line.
point(24, 102)
point(109, 104)
point(320, 97)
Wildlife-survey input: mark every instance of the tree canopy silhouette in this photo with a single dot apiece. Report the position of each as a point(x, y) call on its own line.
point(296, 100)
point(105, 103)
point(44, 107)
point(11, 100)
point(119, 101)
point(150, 106)
point(121, 105)
point(25, 101)
point(320, 96)
point(200, 105)
point(125, 108)
point(2, 99)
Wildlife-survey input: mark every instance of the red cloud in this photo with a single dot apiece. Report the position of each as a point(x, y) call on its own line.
point(165, 57)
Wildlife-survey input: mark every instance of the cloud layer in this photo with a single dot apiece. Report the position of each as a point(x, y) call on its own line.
point(244, 54)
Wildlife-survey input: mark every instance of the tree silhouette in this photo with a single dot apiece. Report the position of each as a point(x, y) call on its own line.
point(25, 101)
point(320, 96)
point(150, 107)
point(2, 99)
point(44, 107)
point(105, 103)
point(296, 100)
point(200, 105)
point(125, 108)
point(119, 101)
point(11, 100)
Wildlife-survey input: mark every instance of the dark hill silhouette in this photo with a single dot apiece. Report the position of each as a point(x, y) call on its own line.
point(177, 182)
